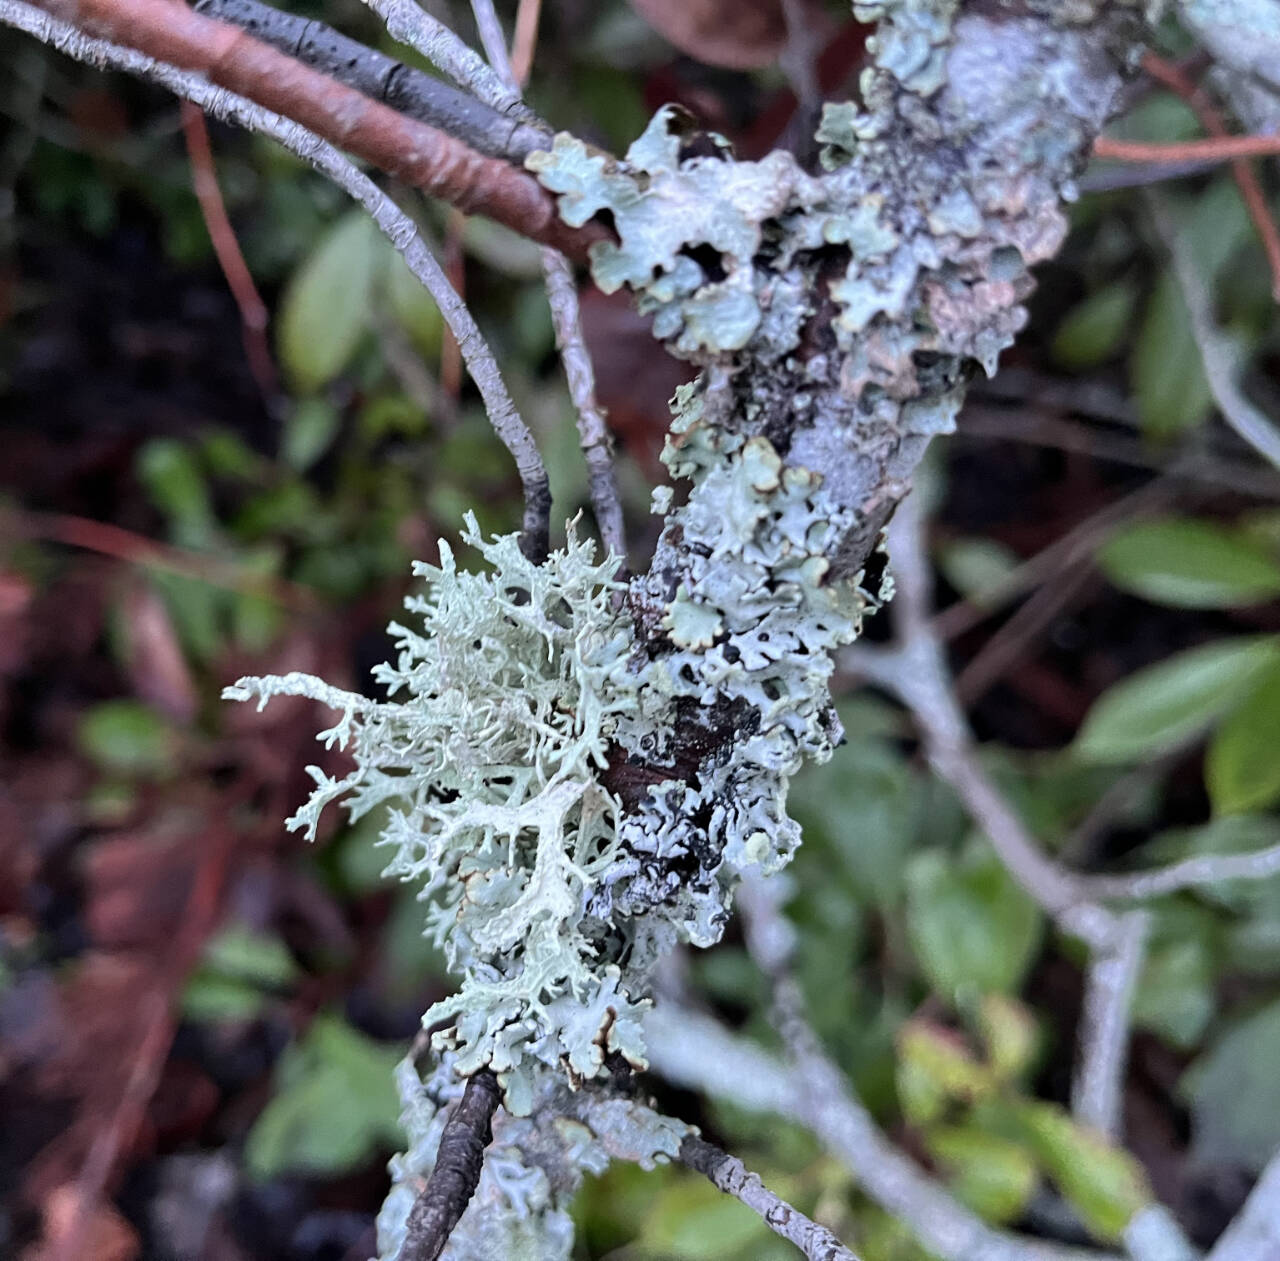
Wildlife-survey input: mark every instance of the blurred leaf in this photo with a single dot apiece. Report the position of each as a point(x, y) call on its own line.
point(127, 737)
point(691, 1220)
point(864, 807)
point(972, 929)
point(503, 250)
point(1104, 1184)
point(1009, 1033)
point(1165, 368)
point(993, 1176)
point(1169, 704)
point(325, 308)
point(414, 307)
point(935, 1069)
point(175, 483)
point(720, 32)
point(1094, 330)
point(1243, 766)
point(1189, 564)
point(977, 567)
point(1234, 1094)
point(1176, 995)
point(311, 427)
point(335, 1106)
point(233, 979)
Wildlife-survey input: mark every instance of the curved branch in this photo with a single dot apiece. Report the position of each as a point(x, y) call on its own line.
point(414, 152)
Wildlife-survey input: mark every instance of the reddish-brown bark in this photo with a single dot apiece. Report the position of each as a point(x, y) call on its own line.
point(414, 152)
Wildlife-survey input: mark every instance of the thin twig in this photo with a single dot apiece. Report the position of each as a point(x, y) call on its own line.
point(399, 229)
point(696, 1052)
point(566, 318)
point(253, 311)
point(1190, 873)
point(524, 40)
point(410, 91)
point(453, 1180)
point(1255, 1233)
point(407, 22)
point(1214, 149)
point(1215, 350)
point(418, 154)
point(728, 1174)
point(1111, 980)
point(1211, 118)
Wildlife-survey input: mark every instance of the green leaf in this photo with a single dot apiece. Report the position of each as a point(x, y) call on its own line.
point(256, 957)
point(992, 1175)
point(1176, 995)
point(1104, 1184)
point(1009, 1033)
point(936, 1068)
point(326, 303)
point(335, 1106)
point(309, 431)
point(1234, 1093)
point(127, 737)
point(1165, 368)
point(971, 928)
point(1094, 330)
point(1190, 565)
point(176, 484)
point(977, 567)
point(1243, 766)
point(1169, 704)
point(690, 1220)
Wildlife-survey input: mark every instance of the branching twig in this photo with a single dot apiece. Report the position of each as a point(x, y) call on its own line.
point(731, 1176)
point(566, 318)
point(399, 229)
point(453, 1180)
point(412, 92)
point(1216, 352)
point(418, 154)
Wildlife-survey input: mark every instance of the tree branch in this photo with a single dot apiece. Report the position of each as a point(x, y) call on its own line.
point(453, 1181)
point(730, 1175)
point(399, 229)
point(408, 91)
point(414, 152)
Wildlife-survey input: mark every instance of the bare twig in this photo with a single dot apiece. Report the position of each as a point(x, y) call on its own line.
point(731, 1176)
point(1111, 980)
point(399, 229)
point(692, 1050)
point(1191, 873)
point(1212, 149)
point(453, 1180)
point(253, 311)
point(420, 155)
point(566, 318)
point(1211, 118)
point(525, 39)
point(412, 92)
point(410, 24)
point(1217, 353)
point(1255, 1233)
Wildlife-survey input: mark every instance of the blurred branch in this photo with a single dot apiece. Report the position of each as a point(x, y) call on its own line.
point(1210, 149)
point(412, 92)
point(399, 229)
point(223, 55)
point(525, 39)
point(453, 1180)
point(1212, 120)
point(1255, 1233)
point(253, 311)
point(1220, 359)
